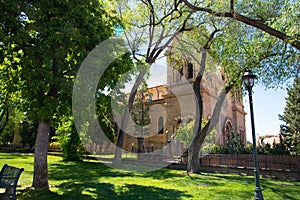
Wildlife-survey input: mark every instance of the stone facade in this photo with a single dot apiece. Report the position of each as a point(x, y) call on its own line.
point(174, 104)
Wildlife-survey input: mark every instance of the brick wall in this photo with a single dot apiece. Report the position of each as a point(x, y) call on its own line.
point(274, 166)
point(284, 162)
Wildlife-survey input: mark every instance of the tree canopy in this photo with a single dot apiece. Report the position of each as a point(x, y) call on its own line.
point(278, 18)
point(43, 44)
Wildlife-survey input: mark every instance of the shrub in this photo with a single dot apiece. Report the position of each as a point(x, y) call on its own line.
point(69, 142)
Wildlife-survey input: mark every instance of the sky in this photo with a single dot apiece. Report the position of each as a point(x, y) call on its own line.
point(267, 104)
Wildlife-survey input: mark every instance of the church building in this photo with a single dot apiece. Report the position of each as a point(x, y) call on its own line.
point(174, 104)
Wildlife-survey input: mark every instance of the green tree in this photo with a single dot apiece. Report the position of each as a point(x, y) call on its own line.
point(69, 141)
point(7, 124)
point(59, 36)
point(290, 130)
point(235, 145)
point(27, 131)
point(148, 33)
point(236, 48)
point(279, 148)
point(197, 46)
point(140, 115)
point(140, 110)
point(10, 55)
point(185, 134)
point(12, 126)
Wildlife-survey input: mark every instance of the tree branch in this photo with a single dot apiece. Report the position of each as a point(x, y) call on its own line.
point(246, 20)
point(211, 37)
point(231, 6)
point(267, 29)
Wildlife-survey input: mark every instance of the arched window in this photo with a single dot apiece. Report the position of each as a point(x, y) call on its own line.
point(161, 125)
point(226, 131)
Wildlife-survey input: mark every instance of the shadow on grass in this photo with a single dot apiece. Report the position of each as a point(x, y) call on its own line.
point(288, 190)
point(80, 180)
point(83, 171)
point(164, 174)
point(282, 192)
point(91, 190)
point(94, 180)
point(88, 170)
point(15, 156)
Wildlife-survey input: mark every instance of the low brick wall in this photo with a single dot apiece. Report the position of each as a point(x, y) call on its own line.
point(248, 171)
point(283, 162)
point(273, 166)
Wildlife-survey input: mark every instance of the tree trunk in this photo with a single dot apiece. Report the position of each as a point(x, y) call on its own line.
point(40, 176)
point(5, 113)
point(140, 147)
point(193, 165)
point(119, 147)
point(125, 117)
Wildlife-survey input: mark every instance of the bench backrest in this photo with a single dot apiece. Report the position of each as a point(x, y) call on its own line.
point(9, 176)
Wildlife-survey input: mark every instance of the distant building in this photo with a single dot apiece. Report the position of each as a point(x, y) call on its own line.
point(268, 139)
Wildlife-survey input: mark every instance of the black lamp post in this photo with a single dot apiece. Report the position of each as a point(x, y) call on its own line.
point(248, 79)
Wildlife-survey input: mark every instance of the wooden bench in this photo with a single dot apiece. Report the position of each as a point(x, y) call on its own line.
point(9, 177)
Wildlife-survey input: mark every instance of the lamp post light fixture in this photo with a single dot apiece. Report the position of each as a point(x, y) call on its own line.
point(248, 79)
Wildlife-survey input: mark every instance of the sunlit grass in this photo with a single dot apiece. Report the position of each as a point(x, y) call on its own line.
point(111, 155)
point(94, 180)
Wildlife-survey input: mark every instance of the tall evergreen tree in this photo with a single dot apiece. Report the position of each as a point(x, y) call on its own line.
point(290, 130)
point(140, 115)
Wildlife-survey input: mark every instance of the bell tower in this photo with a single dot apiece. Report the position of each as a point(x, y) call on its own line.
point(181, 70)
point(181, 74)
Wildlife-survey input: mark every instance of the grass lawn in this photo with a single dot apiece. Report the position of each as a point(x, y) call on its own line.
point(127, 155)
point(93, 180)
